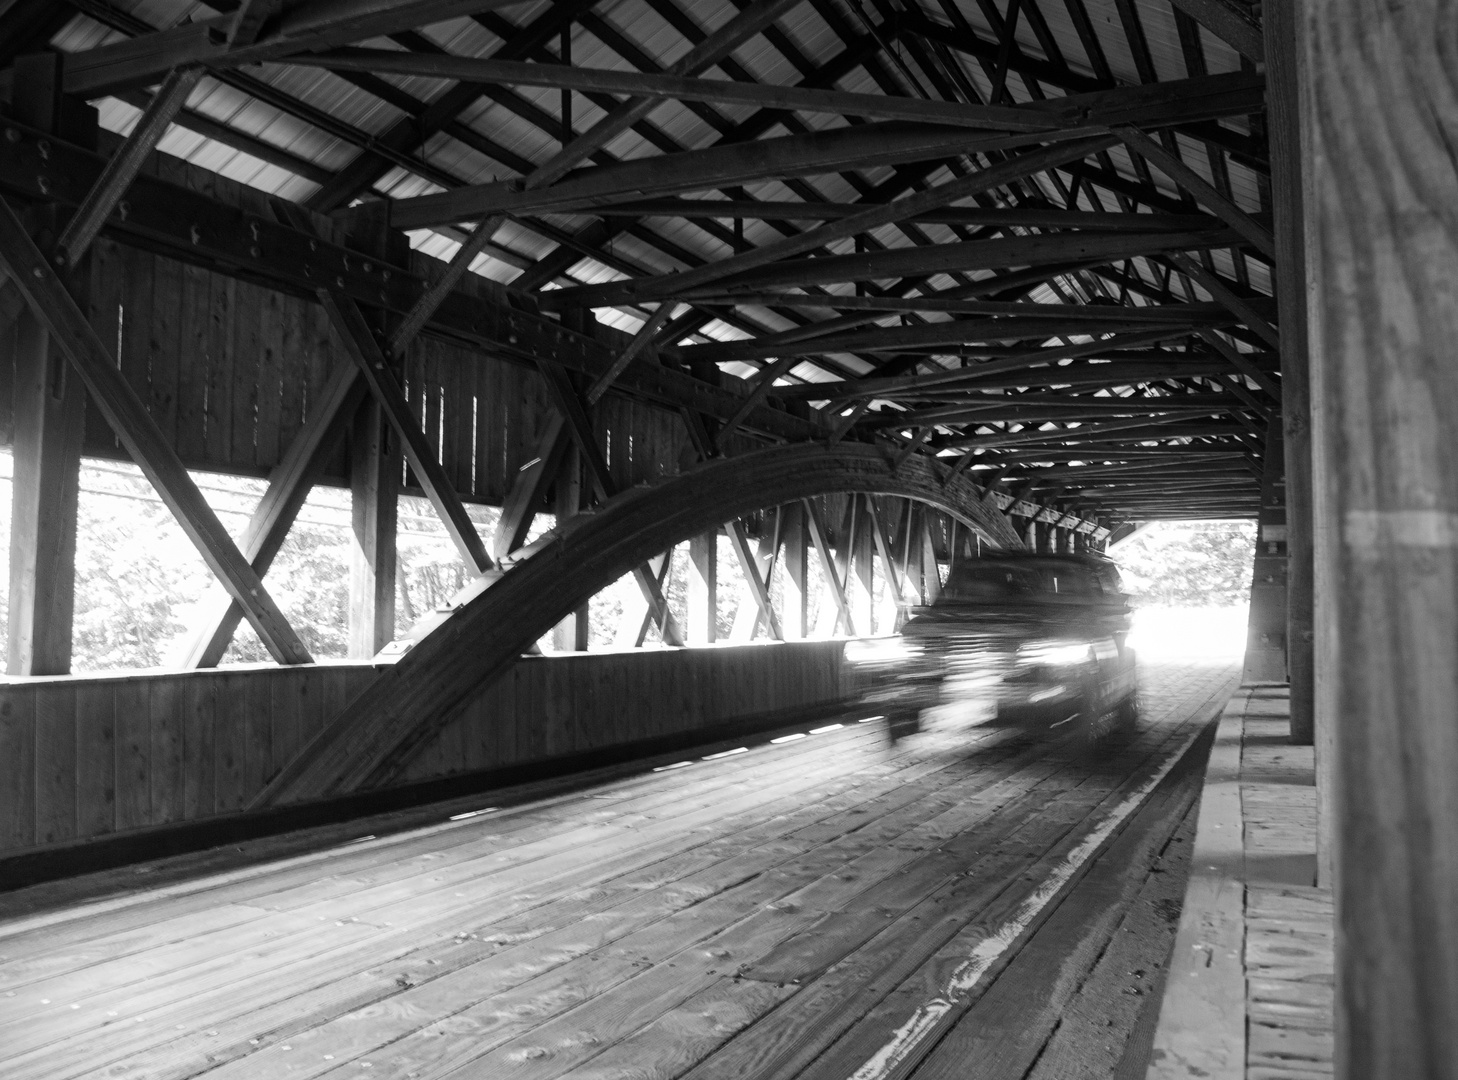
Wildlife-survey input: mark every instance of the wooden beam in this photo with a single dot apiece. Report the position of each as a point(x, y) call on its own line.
point(874, 217)
point(933, 336)
point(317, 24)
point(795, 585)
point(1382, 290)
point(288, 486)
point(598, 187)
point(579, 427)
point(249, 20)
point(1288, 194)
point(1222, 293)
point(374, 501)
point(757, 568)
point(753, 19)
point(1227, 22)
point(667, 85)
point(372, 741)
point(760, 386)
point(881, 142)
point(1242, 363)
point(529, 487)
point(198, 230)
point(49, 421)
point(703, 588)
point(1203, 191)
point(916, 262)
point(833, 581)
point(125, 163)
point(883, 551)
point(432, 298)
point(992, 217)
point(141, 437)
point(641, 340)
point(360, 344)
point(48, 410)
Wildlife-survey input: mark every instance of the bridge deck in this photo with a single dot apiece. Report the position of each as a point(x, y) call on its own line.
point(825, 906)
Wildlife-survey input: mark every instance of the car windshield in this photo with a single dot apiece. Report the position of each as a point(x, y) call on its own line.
point(1019, 580)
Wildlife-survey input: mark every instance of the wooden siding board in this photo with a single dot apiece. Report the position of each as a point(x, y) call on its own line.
point(199, 747)
point(288, 694)
point(217, 413)
point(230, 711)
point(95, 759)
point(241, 397)
point(296, 366)
point(192, 369)
point(269, 378)
point(136, 316)
point(108, 271)
point(133, 719)
point(164, 344)
point(17, 767)
point(168, 750)
point(56, 772)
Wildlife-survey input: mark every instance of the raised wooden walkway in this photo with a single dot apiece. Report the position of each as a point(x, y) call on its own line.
point(1250, 992)
point(969, 904)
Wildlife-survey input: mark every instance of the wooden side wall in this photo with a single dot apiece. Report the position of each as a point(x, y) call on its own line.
point(82, 758)
point(229, 370)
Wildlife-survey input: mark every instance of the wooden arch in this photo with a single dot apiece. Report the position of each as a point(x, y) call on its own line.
point(376, 735)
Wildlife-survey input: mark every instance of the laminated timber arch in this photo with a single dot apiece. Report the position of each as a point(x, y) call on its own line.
point(368, 743)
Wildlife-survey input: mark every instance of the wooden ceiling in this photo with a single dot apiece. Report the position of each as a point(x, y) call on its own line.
point(1031, 238)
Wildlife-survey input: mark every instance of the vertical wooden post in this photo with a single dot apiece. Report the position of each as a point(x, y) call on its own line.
point(571, 634)
point(1265, 640)
point(703, 589)
point(1284, 127)
point(862, 555)
point(931, 576)
point(375, 466)
point(911, 546)
point(795, 581)
point(50, 416)
point(1379, 122)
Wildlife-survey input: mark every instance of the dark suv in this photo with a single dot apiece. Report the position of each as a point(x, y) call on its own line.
point(1017, 639)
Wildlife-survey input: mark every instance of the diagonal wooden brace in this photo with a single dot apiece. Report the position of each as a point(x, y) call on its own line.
point(579, 426)
point(141, 436)
point(288, 486)
point(360, 344)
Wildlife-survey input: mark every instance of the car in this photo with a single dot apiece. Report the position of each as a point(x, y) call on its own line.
point(1017, 639)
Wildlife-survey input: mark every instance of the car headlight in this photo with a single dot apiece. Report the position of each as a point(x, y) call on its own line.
point(879, 650)
point(1056, 653)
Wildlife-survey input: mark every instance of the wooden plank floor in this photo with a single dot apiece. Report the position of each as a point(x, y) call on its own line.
point(968, 903)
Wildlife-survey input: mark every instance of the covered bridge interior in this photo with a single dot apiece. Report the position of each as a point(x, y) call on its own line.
point(839, 291)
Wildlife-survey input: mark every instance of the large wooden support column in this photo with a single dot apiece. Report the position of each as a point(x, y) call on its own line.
point(1283, 124)
point(375, 465)
point(795, 582)
point(703, 589)
point(1265, 639)
point(862, 552)
point(50, 415)
point(572, 633)
point(931, 576)
point(1379, 119)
